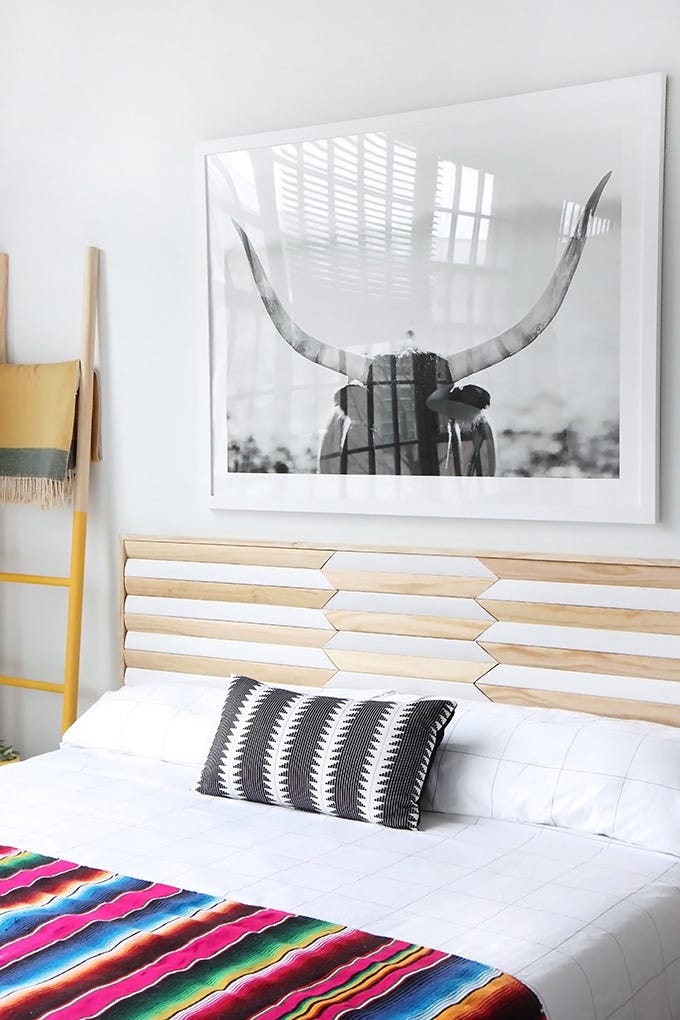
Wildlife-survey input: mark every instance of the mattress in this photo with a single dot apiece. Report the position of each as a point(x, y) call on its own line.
point(591, 925)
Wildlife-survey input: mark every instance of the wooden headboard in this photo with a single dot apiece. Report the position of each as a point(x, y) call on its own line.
point(580, 633)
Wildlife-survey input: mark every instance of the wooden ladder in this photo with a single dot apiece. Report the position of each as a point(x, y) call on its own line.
point(74, 582)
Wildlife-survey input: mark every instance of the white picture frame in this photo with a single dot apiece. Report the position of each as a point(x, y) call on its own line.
point(437, 230)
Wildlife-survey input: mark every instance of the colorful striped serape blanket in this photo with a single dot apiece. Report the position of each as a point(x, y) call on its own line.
point(78, 943)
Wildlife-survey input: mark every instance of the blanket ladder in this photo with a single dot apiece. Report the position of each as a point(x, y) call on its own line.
point(74, 581)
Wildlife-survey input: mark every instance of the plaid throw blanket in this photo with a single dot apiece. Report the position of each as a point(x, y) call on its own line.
point(77, 942)
point(37, 424)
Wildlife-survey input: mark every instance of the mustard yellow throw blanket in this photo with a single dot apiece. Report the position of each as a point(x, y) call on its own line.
point(37, 428)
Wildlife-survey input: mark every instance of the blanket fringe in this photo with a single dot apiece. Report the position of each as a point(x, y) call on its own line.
point(50, 494)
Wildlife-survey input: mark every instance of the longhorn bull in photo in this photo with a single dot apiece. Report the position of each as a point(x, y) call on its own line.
point(404, 413)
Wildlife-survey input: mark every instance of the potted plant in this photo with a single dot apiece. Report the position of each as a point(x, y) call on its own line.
point(7, 753)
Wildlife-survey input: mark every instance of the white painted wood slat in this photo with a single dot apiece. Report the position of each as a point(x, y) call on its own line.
point(601, 595)
point(426, 648)
point(406, 685)
point(216, 648)
point(620, 642)
point(238, 612)
point(602, 684)
point(227, 573)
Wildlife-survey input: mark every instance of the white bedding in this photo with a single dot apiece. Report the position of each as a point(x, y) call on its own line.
point(593, 926)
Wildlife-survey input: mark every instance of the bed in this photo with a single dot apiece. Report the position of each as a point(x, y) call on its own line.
point(549, 842)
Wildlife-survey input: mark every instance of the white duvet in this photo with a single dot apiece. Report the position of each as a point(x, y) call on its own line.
point(593, 926)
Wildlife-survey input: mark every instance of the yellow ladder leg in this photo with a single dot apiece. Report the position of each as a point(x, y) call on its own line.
point(81, 490)
point(75, 619)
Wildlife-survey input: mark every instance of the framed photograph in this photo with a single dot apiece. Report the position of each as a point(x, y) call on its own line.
point(451, 313)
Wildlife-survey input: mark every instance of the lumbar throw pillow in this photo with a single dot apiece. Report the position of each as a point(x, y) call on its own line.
point(366, 760)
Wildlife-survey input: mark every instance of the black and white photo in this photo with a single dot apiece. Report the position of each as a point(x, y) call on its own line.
point(443, 312)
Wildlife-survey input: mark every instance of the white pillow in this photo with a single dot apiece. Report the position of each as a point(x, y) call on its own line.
point(611, 777)
point(173, 722)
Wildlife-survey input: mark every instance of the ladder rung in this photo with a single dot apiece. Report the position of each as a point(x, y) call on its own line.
point(57, 582)
point(32, 685)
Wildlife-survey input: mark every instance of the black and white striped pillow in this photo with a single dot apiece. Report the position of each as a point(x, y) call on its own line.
point(366, 760)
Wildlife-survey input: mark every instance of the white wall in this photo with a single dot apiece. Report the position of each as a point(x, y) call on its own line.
point(101, 105)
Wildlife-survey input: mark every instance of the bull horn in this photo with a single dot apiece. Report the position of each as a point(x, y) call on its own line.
point(519, 336)
point(354, 366)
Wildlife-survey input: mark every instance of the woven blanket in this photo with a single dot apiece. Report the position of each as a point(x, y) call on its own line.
point(77, 942)
point(37, 424)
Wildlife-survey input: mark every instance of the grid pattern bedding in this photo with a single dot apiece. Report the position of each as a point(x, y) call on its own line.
point(591, 925)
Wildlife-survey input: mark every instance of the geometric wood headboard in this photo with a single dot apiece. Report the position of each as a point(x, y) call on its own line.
point(587, 634)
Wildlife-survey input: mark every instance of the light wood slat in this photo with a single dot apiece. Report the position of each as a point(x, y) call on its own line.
point(305, 598)
point(629, 574)
point(408, 665)
point(641, 621)
point(268, 672)
point(618, 708)
point(408, 626)
point(653, 667)
point(250, 555)
point(230, 630)
point(408, 584)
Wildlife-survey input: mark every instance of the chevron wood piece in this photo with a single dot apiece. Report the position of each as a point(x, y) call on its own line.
point(267, 672)
point(637, 620)
point(310, 598)
point(629, 574)
point(412, 626)
point(618, 708)
point(228, 630)
point(250, 555)
point(408, 584)
point(585, 661)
